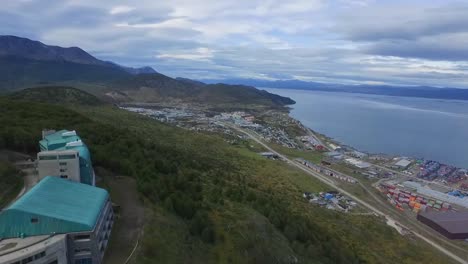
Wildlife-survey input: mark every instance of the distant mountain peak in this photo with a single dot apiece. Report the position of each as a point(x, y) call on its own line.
point(31, 49)
point(141, 70)
point(13, 46)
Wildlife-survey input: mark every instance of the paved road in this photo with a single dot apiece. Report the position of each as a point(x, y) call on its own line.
point(327, 181)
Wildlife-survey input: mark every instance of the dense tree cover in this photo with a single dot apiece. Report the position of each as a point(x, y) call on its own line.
point(217, 192)
point(10, 182)
point(57, 94)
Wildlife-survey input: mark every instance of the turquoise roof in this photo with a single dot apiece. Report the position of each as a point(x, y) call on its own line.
point(54, 205)
point(57, 142)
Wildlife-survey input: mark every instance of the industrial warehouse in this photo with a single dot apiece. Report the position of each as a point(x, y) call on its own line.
point(64, 218)
point(453, 225)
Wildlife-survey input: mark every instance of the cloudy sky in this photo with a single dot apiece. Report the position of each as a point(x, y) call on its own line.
point(418, 42)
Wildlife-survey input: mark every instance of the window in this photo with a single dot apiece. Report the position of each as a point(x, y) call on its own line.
point(63, 170)
point(80, 237)
point(47, 157)
point(34, 220)
point(71, 156)
point(84, 261)
point(53, 262)
point(64, 176)
point(63, 163)
point(40, 255)
point(82, 251)
point(27, 260)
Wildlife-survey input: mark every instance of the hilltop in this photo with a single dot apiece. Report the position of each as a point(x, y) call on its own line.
point(57, 95)
point(158, 87)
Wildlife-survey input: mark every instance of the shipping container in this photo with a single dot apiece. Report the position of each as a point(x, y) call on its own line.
point(423, 208)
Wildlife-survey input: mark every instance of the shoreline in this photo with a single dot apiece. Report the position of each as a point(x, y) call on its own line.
point(341, 144)
point(449, 153)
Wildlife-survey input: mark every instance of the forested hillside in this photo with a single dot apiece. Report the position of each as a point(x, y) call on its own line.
point(10, 182)
point(57, 95)
point(211, 202)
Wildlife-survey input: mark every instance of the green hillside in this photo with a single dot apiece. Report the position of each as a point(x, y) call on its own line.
point(157, 87)
point(211, 202)
point(57, 95)
point(21, 73)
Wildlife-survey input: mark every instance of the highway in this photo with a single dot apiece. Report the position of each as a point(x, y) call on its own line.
point(333, 184)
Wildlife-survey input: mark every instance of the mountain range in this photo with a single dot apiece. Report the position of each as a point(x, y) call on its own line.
point(12, 46)
point(27, 63)
point(405, 91)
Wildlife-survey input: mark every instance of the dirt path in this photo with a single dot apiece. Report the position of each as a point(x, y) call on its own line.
point(127, 228)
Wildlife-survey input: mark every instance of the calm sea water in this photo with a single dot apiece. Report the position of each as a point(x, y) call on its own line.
point(417, 127)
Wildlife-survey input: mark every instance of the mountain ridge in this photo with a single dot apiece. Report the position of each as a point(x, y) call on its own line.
point(13, 46)
point(26, 63)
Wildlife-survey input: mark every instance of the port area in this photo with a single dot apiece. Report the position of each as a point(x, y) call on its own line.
point(360, 177)
point(416, 197)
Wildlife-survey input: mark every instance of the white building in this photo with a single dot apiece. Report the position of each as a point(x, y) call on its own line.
point(403, 163)
point(44, 249)
point(64, 164)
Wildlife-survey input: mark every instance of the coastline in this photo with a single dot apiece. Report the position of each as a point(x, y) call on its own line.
point(382, 125)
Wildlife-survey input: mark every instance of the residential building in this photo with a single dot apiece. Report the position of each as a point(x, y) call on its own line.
point(63, 154)
point(57, 221)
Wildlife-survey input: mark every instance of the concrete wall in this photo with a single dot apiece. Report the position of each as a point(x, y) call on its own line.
point(92, 245)
point(45, 252)
point(61, 166)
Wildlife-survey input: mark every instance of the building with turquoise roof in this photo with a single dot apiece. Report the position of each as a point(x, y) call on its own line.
point(77, 215)
point(64, 154)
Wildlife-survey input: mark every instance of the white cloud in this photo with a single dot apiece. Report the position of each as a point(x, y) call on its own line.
point(121, 10)
point(197, 54)
point(309, 39)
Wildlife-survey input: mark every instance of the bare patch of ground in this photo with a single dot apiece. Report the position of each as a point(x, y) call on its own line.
point(130, 220)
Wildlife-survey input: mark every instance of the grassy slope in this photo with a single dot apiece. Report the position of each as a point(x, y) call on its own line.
point(210, 202)
point(368, 236)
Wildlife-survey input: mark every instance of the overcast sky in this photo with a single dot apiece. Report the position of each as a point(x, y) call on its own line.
point(342, 41)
